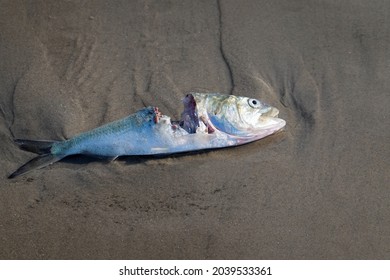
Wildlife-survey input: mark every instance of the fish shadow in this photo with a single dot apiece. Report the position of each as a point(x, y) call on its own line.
point(128, 160)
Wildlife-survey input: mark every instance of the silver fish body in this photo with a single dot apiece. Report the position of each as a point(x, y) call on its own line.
point(209, 121)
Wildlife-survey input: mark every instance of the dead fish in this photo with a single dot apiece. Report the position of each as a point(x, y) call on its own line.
point(208, 121)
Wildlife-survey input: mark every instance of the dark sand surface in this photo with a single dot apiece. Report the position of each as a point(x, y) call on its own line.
point(319, 190)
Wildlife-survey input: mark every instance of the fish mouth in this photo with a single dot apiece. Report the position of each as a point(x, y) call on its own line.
point(270, 120)
point(271, 113)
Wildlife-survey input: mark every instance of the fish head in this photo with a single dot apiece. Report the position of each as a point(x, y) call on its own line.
point(238, 116)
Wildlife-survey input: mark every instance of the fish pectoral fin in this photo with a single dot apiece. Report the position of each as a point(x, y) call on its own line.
point(104, 158)
point(111, 159)
point(36, 163)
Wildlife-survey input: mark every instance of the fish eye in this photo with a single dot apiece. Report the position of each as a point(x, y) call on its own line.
point(254, 103)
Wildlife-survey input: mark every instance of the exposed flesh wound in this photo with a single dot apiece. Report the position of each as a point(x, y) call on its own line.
point(210, 128)
point(157, 114)
point(189, 118)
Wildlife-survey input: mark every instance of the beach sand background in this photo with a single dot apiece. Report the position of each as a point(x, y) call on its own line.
point(318, 190)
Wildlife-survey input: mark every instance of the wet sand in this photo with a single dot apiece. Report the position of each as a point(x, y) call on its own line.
point(318, 190)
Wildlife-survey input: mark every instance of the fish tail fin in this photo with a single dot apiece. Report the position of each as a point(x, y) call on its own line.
point(36, 163)
point(40, 147)
point(45, 158)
